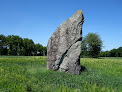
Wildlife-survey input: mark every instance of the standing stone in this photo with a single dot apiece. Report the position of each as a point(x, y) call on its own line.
point(64, 46)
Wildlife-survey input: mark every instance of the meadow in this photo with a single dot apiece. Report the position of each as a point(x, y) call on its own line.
point(30, 74)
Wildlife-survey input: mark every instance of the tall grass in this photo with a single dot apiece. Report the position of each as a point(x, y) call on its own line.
point(30, 74)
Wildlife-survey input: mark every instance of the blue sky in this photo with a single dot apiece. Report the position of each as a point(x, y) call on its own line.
point(38, 19)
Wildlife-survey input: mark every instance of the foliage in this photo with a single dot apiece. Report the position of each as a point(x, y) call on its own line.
point(112, 53)
point(91, 45)
point(15, 45)
point(2, 43)
point(28, 47)
point(29, 73)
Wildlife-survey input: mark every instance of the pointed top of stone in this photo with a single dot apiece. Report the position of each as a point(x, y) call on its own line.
point(78, 15)
point(79, 12)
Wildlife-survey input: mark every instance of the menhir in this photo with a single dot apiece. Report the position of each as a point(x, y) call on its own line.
point(64, 46)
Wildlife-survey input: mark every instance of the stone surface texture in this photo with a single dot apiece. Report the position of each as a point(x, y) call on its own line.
point(64, 46)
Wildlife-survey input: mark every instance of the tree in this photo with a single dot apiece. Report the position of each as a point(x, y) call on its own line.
point(9, 42)
point(112, 53)
point(28, 45)
point(84, 49)
point(3, 45)
point(92, 44)
point(39, 49)
point(119, 52)
point(44, 51)
point(15, 44)
point(104, 54)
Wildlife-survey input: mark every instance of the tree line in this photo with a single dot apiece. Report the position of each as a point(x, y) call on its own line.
point(15, 45)
point(91, 47)
point(112, 53)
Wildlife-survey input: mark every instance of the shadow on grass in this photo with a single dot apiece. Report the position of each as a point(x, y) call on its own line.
point(83, 68)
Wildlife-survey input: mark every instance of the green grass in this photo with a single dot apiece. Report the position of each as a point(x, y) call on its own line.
point(110, 57)
point(16, 56)
point(30, 74)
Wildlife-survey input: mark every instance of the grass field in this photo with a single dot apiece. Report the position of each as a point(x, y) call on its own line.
point(110, 57)
point(30, 74)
